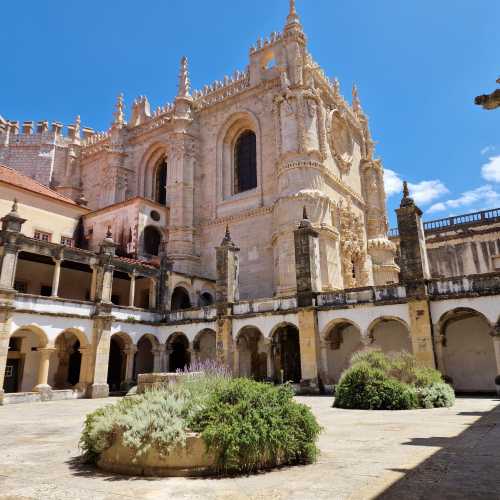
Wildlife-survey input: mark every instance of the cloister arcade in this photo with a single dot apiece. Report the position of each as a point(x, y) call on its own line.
point(42, 352)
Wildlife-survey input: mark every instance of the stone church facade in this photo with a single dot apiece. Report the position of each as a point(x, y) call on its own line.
point(250, 151)
point(244, 222)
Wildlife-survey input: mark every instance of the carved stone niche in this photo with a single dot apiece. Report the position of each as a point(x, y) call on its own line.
point(341, 141)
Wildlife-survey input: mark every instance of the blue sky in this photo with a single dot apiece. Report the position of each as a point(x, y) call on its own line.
point(418, 65)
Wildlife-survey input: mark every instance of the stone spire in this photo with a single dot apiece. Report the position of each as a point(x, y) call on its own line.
point(77, 127)
point(356, 103)
point(118, 114)
point(227, 241)
point(293, 20)
point(406, 201)
point(184, 83)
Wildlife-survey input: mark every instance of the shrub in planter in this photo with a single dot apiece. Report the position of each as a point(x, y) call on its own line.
point(252, 425)
point(436, 395)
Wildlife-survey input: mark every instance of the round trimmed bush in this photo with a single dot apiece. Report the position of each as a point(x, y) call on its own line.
point(365, 388)
point(376, 381)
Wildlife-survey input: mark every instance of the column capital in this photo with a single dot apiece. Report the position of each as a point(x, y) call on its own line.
point(130, 349)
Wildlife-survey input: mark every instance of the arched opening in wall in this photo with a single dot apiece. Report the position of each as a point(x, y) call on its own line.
point(120, 295)
point(180, 299)
point(117, 363)
point(66, 369)
point(204, 346)
point(178, 352)
point(152, 240)
point(252, 355)
point(245, 162)
point(286, 354)
point(160, 182)
point(144, 357)
point(23, 359)
point(468, 350)
point(206, 299)
point(342, 339)
point(390, 335)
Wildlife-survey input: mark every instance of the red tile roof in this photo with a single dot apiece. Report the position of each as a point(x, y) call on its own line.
point(15, 178)
point(137, 261)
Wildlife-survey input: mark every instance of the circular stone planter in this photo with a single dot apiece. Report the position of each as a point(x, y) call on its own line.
point(191, 460)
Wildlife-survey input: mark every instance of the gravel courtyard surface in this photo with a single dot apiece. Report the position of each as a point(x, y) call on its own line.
point(440, 453)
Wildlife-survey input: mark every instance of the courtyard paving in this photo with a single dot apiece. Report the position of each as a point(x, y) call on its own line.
point(424, 454)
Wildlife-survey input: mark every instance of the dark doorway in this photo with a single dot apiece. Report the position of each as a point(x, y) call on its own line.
point(115, 366)
point(180, 299)
point(206, 299)
point(75, 362)
point(152, 240)
point(144, 358)
point(11, 381)
point(179, 355)
point(287, 354)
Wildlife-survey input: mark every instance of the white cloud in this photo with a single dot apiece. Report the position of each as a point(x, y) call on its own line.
point(392, 182)
point(491, 170)
point(487, 149)
point(422, 192)
point(478, 199)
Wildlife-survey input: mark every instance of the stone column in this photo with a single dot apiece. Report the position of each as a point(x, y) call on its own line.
point(496, 345)
point(6, 310)
point(224, 342)
point(228, 271)
point(129, 363)
point(236, 360)
point(152, 293)
point(85, 378)
point(307, 262)
point(131, 295)
point(101, 338)
point(269, 358)
point(158, 359)
point(42, 385)
point(323, 366)
point(439, 345)
point(9, 264)
point(421, 332)
point(168, 352)
point(309, 348)
point(56, 277)
point(93, 283)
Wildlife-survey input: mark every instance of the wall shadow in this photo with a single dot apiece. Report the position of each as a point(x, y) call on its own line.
point(466, 466)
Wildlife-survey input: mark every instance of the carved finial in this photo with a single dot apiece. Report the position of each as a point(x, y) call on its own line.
point(407, 200)
point(13, 210)
point(77, 127)
point(109, 234)
point(336, 87)
point(356, 103)
point(227, 237)
point(292, 21)
point(118, 114)
point(184, 83)
point(304, 213)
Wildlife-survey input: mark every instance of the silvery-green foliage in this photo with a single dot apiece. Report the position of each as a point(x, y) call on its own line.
point(437, 395)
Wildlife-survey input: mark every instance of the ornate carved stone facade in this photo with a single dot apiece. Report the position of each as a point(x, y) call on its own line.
point(312, 149)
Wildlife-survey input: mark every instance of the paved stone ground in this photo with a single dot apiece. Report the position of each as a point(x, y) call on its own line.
point(424, 454)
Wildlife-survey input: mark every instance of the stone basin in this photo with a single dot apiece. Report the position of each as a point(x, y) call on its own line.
point(191, 460)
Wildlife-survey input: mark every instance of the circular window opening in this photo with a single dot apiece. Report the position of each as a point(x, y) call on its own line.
point(155, 215)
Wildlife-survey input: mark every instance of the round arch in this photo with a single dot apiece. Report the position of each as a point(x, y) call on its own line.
point(205, 345)
point(228, 134)
point(180, 298)
point(285, 351)
point(147, 168)
point(466, 350)
point(79, 334)
point(67, 368)
point(251, 353)
point(178, 351)
point(390, 334)
point(341, 338)
point(118, 345)
point(36, 330)
point(152, 238)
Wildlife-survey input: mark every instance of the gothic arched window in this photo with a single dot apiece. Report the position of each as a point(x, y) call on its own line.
point(152, 240)
point(245, 162)
point(160, 183)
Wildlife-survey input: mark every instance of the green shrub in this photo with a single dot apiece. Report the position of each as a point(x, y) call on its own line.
point(365, 388)
point(378, 381)
point(252, 425)
point(436, 395)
